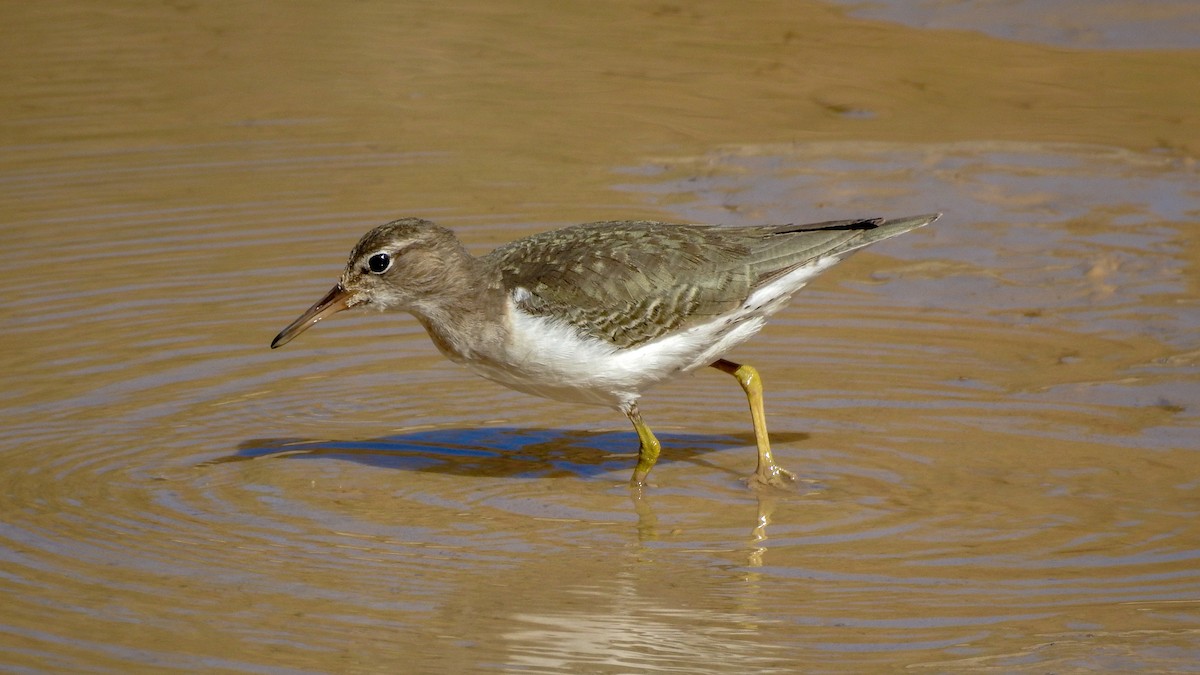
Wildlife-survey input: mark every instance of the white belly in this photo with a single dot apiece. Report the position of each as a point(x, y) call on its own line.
point(550, 358)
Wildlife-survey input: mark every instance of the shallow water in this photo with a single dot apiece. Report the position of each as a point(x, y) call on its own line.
point(995, 418)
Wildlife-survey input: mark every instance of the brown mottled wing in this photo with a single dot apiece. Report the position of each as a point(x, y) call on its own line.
point(629, 282)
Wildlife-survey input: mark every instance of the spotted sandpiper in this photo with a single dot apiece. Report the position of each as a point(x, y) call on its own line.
point(598, 313)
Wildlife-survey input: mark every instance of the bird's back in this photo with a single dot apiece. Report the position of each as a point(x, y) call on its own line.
point(629, 282)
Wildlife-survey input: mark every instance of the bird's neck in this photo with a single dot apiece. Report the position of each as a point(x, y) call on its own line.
point(465, 317)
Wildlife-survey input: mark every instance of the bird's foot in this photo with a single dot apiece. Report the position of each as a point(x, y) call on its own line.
point(772, 476)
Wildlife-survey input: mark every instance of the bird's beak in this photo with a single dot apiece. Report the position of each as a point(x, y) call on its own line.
point(335, 300)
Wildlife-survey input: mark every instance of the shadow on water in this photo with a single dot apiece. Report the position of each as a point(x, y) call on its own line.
point(499, 451)
point(534, 453)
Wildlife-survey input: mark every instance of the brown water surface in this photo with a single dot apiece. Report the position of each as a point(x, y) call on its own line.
point(995, 418)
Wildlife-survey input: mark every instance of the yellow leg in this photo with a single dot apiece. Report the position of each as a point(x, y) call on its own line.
point(648, 448)
point(768, 472)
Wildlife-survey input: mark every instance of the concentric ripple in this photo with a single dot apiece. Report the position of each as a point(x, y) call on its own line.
point(993, 421)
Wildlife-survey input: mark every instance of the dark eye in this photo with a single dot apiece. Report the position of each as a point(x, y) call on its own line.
point(379, 263)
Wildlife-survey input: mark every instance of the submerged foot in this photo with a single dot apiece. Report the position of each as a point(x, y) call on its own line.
point(772, 476)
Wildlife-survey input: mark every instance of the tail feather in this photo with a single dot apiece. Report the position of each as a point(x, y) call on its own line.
point(789, 247)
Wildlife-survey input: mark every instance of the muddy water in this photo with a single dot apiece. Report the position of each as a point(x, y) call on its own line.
point(995, 418)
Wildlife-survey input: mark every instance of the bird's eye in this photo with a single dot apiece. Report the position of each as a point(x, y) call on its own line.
point(379, 263)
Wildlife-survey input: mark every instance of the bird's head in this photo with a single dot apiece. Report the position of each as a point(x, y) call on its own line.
point(399, 265)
